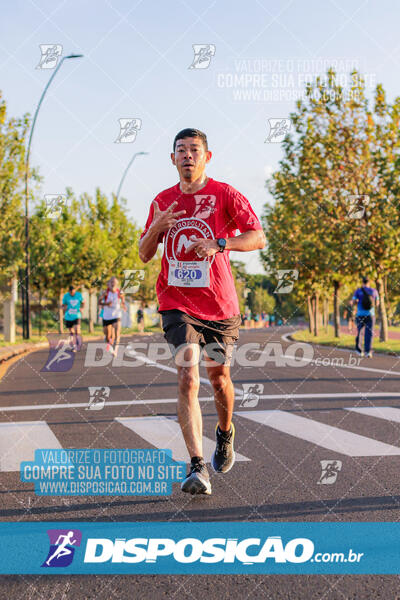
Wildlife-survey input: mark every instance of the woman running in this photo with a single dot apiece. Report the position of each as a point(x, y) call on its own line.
point(112, 301)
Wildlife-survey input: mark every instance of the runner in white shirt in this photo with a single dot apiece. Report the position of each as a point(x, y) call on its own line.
point(113, 302)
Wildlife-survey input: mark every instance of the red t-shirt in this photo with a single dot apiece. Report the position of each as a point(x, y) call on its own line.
point(216, 211)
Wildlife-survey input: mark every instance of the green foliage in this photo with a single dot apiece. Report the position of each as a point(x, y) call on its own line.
point(91, 240)
point(12, 179)
point(341, 147)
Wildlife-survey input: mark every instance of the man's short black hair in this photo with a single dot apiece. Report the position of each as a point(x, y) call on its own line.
point(190, 132)
point(365, 279)
point(71, 287)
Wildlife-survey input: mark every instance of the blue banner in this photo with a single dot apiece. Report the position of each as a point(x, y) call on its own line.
point(208, 547)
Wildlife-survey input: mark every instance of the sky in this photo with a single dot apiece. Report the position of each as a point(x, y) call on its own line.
point(136, 65)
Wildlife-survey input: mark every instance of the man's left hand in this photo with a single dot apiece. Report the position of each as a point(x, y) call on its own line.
point(202, 247)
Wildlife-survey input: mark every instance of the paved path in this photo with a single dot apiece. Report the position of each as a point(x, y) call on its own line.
point(329, 406)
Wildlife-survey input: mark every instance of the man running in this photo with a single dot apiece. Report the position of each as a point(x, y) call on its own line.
point(197, 219)
point(366, 299)
point(71, 305)
point(112, 301)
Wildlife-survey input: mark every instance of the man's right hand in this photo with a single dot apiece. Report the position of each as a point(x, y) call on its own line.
point(164, 220)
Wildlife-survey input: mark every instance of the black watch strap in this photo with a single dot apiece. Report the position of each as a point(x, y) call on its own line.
point(221, 243)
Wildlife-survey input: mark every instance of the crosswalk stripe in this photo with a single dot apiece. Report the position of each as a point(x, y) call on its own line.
point(163, 432)
point(19, 440)
point(326, 436)
point(381, 412)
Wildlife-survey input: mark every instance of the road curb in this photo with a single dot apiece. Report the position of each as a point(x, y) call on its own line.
point(11, 352)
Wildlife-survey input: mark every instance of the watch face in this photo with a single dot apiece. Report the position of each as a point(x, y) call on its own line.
point(221, 243)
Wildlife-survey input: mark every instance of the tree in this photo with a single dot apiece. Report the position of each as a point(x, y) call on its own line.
point(13, 133)
point(340, 151)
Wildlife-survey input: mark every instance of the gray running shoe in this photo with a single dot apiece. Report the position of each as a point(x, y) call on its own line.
point(223, 458)
point(198, 479)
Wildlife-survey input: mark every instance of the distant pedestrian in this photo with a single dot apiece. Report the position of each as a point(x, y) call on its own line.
point(71, 305)
point(140, 320)
point(366, 299)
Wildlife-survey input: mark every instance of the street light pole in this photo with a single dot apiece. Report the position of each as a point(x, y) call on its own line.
point(26, 316)
point(127, 169)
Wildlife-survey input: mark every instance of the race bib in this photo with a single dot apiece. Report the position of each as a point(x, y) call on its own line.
point(73, 311)
point(189, 274)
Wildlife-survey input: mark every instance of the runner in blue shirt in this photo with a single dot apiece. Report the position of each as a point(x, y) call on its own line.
point(366, 299)
point(72, 304)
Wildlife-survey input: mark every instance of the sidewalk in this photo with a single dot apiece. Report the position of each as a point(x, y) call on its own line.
point(7, 352)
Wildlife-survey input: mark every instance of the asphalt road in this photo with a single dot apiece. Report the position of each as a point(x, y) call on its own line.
point(305, 413)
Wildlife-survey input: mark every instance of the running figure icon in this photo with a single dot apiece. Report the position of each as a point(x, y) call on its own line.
point(62, 549)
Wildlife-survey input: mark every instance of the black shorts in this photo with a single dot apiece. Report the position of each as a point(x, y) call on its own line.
point(218, 337)
point(110, 322)
point(70, 324)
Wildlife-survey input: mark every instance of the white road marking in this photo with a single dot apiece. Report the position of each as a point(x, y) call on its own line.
point(18, 442)
point(326, 436)
point(109, 404)
point(163, 432)
point(381, 412)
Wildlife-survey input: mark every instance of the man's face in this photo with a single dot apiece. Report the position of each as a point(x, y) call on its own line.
point(190, 158)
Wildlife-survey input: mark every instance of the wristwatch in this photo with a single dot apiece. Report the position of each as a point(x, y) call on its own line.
point(221, 243)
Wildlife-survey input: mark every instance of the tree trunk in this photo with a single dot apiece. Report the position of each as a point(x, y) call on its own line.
point(40, 312)
point(60, 313)
point(326, 314)
point(316, 314)
point(388, 306)
point(91, 326)
point(310, 315)
point(9, 312)
point(336, 312)
point(383, 334)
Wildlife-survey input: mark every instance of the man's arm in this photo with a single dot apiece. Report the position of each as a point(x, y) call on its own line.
point(148, 244)
point(253, 239)
point(247, 241)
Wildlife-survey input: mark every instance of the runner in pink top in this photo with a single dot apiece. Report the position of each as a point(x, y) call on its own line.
point(197, 220)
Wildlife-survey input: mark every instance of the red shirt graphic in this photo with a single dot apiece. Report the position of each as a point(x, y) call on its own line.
point(215, 211)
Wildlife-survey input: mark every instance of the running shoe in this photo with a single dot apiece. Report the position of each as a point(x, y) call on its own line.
point(198, 479)
point(359, 352)
point(110, 349)
point(224, 456)
point(369, 354)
